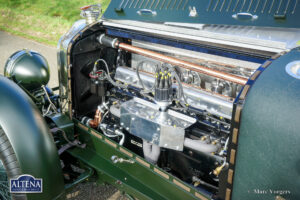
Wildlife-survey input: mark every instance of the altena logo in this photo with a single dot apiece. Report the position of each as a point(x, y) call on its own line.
point(26, 184)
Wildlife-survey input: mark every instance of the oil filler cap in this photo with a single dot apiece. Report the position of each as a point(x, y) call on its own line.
point(293, 69)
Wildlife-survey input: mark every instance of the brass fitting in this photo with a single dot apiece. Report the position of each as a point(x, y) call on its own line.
point(196, 183)
point(214, 142)
point(203, 138)
point(218, 170)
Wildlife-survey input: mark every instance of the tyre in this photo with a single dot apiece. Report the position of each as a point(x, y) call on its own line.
point(9, 168)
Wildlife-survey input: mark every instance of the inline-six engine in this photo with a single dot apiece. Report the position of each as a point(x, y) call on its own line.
point(170, 105)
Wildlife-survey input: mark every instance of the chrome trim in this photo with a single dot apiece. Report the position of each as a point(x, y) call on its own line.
point(66, 38)
point(9, 66)
point(293, 69)
point(62, 57)
point(64, 43)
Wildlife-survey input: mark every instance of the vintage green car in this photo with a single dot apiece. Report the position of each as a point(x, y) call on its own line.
point(164, 99)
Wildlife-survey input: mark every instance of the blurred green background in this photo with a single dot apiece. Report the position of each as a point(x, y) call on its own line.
point(42, 20)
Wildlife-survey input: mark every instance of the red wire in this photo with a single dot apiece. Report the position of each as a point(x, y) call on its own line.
point(92, 76)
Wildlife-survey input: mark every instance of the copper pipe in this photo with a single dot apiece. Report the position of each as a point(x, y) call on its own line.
point(94, 123)
point(181, 63)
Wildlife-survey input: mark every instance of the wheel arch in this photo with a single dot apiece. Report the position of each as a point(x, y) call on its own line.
point(30, 138)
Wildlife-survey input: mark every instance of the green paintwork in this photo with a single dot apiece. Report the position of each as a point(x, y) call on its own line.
point(266, 13)
point(30, 139)
point(135, 179)
point(27, 68)
point(85, 175)
point(268, 145)
point(63, 122)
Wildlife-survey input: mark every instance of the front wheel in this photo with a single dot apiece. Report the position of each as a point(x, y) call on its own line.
point(9, 168)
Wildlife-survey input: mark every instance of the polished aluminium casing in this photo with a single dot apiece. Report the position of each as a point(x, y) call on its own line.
point(165, 129)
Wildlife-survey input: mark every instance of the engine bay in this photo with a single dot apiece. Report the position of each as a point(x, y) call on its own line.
point(175, 116)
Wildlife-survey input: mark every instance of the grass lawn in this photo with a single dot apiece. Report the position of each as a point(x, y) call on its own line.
point(42, 20)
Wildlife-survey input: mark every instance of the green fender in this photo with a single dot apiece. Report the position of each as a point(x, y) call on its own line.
point(268, 161)
point(30, 139)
